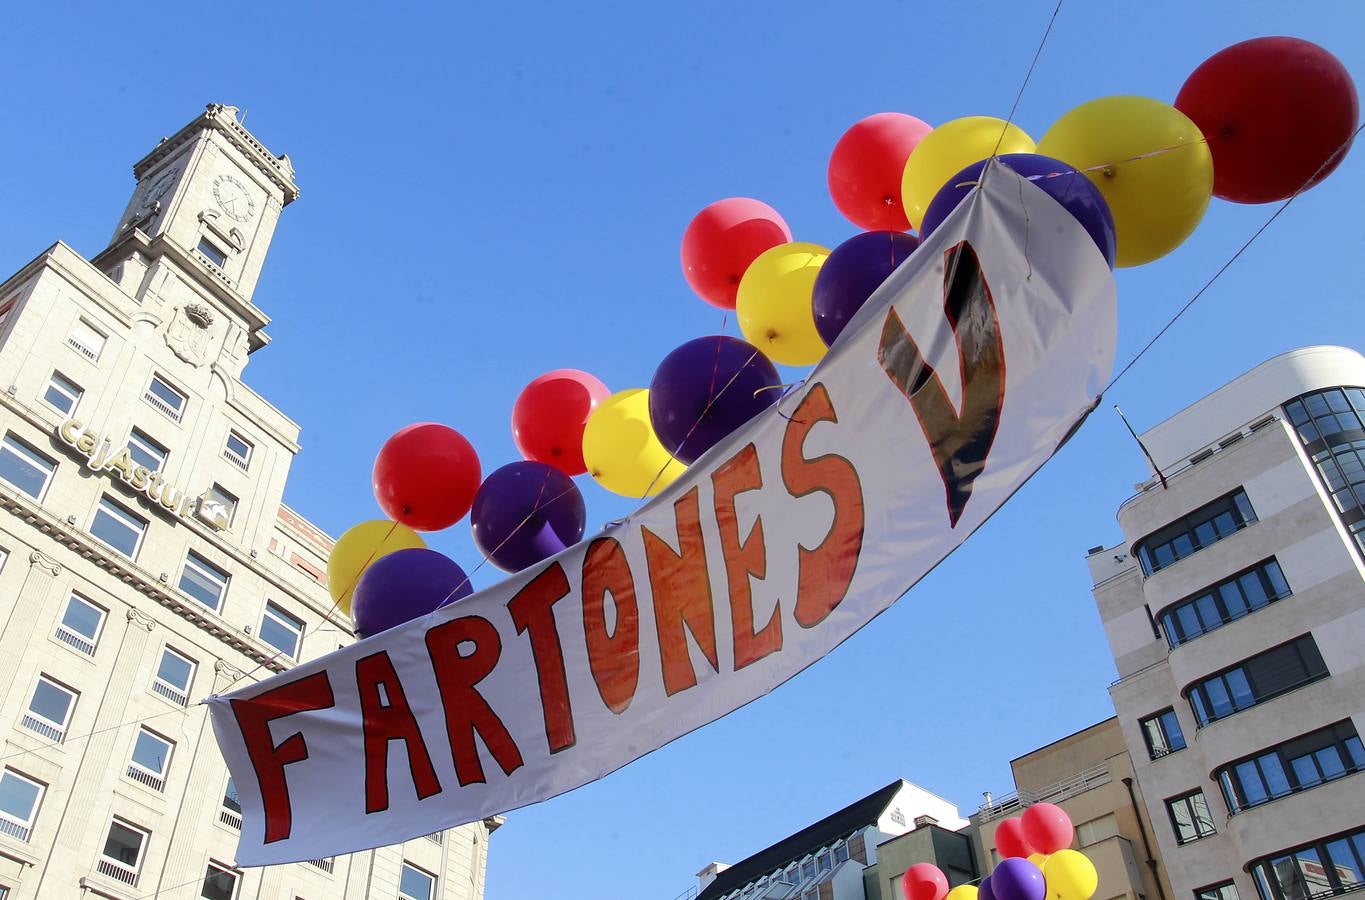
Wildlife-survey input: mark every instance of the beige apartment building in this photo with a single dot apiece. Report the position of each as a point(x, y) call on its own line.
point(148, 560)
point(1235, 610)
point(1090, 775)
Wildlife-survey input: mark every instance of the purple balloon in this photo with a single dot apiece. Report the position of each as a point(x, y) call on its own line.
point(1017, 879)
point(525, 512)
point(706, 389)
point(1062, 182)
point(855, 269)
point(984, 891)
point(405, 585)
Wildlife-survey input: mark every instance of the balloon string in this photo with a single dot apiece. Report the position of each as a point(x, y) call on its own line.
point(1312, 179)
point(1004, 129)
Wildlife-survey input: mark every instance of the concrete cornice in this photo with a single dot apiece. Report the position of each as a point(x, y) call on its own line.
point(222, 119)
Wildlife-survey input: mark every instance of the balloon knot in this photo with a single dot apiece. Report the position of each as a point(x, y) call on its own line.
point(889, 200)
point(772, 334)
point(1109, 171)
point(734, 279)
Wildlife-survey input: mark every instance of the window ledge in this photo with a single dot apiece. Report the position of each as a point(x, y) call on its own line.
point(1259, 703)
point(1264, 803)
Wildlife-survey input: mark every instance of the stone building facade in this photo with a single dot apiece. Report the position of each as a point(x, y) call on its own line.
point(148, 559)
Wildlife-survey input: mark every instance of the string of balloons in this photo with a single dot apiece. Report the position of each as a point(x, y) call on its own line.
point(1258, 122)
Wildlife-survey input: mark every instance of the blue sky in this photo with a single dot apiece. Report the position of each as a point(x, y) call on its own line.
point(495, 191)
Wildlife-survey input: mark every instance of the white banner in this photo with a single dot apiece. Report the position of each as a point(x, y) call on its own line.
point(958, 379)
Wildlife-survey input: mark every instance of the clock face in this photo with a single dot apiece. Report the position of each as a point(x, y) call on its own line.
point(160, 187)
point(233, 198)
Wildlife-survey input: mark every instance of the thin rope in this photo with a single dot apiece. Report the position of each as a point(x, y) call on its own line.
point(72, 738)
point(1232, 259)
point(1027, 75)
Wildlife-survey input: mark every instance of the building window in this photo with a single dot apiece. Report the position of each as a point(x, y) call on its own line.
point(840, 853)
point(825, 861)
point(62, 393)
point(145, 451)
point(1258, 679)
point(220, 501)
point(1162, 733)
point(24, 467)
point(81, 624)
point(416, 884)
point(49, 710)
point(173, 677)
point(808, 869)
point(1225, 891)
point(1330, 866)
point(1205, 526)
point(238, 449)
point(124, 849)
point(1313, 759)
point(86, 340)
point(1190, 817)
point(151, 759)
point(19, 799)
point(220, 883)
point(1329, 423)
point(1224, 602)
point(165, 399)
point(212, 253)
point(1096, 830)
point(231, 813)
point(119, 528)
point(281, 630)
point(204, 581)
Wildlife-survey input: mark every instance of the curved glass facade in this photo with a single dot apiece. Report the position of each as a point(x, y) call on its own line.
point(1331, 424)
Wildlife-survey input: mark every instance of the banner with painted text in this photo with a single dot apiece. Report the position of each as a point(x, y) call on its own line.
point(960, 377)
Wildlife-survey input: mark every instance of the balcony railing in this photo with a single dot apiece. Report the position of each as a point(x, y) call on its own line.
point(230, 819)
point(1068, 787)
point(163, 407)
point(92, 355)
point(434, 837)
point(236, 460)
point(46, 729)
point(15, 829)
point(79, 641)
point(325, 865)
point(142, 776)
point(173, 694)
point(117, 870)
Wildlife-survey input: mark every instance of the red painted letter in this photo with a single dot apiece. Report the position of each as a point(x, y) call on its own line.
point(615, 657)
point(824, 572)
point(254, 716)
point(387, 717)
point(465, 709)
point(744, 557)
point(532, 610)
point(682, 595)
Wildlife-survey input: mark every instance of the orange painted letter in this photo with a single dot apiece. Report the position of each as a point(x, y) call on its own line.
point(744, 557)
point(466, 710)
point(614, 658)
point(532, 610)
point(824, 572)
point(682, 595)
point(387, 717)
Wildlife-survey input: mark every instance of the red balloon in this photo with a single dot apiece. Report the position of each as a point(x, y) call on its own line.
point(866, 166)
point(1010, 840)
point(549, 415)
point(1275, 111)
point(425, 476)
point(722, 240)
point(1047, 828)
point(924, 881)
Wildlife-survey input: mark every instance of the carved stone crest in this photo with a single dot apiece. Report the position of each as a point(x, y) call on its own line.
point(188, 334)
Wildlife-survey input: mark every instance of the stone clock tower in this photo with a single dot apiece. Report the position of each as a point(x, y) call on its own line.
point(195, 233)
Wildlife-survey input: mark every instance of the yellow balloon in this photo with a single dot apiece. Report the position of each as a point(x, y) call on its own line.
point(621, 450)
point(356, 551)
point(773, 304)
point(1038, 859)
point(962, 892)
point(1149, 161)
point(950, 148)
point(1070, 876)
